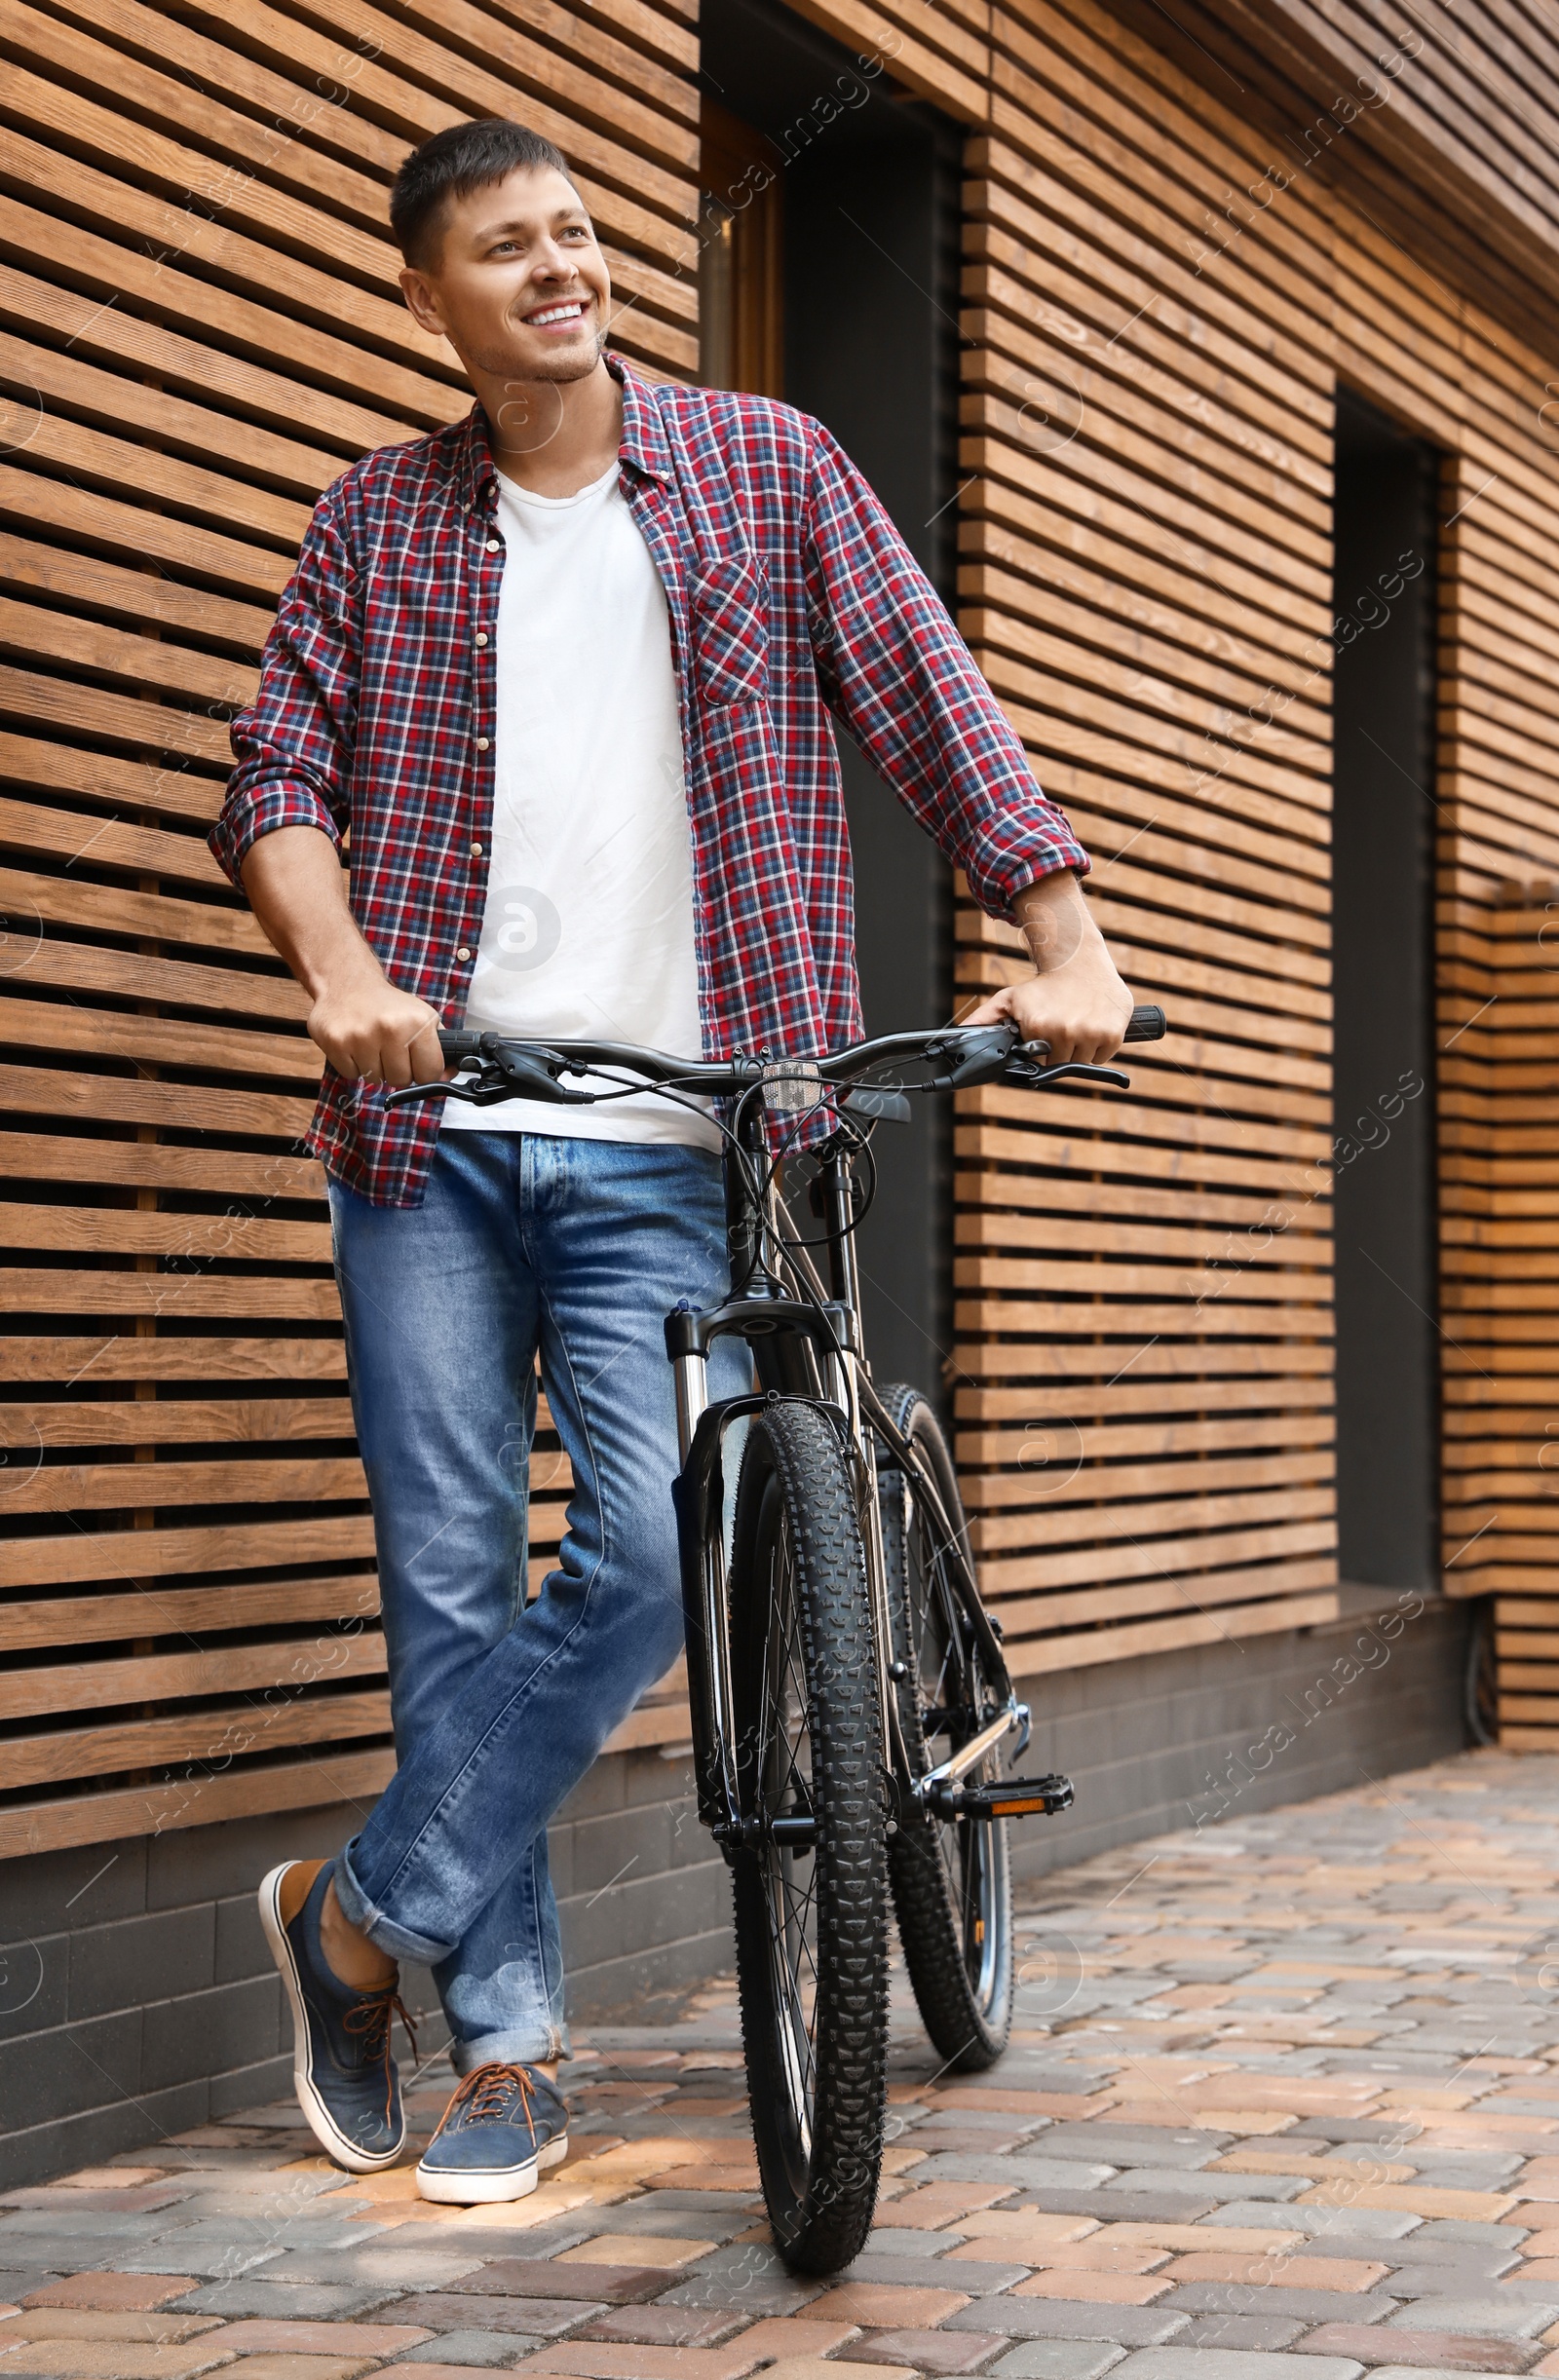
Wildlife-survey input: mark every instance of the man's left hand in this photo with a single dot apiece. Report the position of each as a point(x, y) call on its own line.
point(1075, 1000)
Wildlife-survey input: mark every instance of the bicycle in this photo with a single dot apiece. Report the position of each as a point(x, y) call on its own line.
point(850, 1705)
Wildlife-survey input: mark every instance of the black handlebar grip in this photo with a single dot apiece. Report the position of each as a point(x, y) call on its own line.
point(1146, 1025)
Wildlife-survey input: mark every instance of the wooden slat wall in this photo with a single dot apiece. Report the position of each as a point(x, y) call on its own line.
point(203, 330)
point(1471, 91)
point(1500, 1132)
point(1144, 1347)
point(1143, 1354)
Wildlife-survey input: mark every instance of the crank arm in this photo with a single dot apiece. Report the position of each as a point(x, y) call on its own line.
point(971, 1754)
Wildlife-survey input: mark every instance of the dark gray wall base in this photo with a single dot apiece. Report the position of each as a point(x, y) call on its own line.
point(137, 1997)
point(1188, 1739)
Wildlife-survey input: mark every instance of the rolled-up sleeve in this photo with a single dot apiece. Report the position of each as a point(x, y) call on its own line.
point(900, 679)
point(295, 743)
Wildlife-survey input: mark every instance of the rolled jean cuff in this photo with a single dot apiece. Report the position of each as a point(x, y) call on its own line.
point(530, 2045)
point(398, 1941)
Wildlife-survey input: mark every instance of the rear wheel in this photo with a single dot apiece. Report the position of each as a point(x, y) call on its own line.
point(950, 1877)
point(811, 1883)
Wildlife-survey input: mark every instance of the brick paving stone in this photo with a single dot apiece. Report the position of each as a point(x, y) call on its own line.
point(424, 2372)
point(752, 2294)
point(277, 2301)
point(636, 2249)
point(1124, 2147)
point(1093, 2289)
point(1309, 2305)
point(1418, 2371)
point(401, 2269)
point(542, 2318)
point(84, 2322)
point(1315, 2273)
point(599, 2359)
point(977, 2277)
point(1142, 2206)
point(887, 2305)
point(463, 2350)
point(111, 2292)
point(304, 2367)
point(1216, 2363)
point(937, 2204)
point(1102, 2253)
point(116, 2359)
point(1328, 2223)
point(815, 2367)
point(1449, 2277)
point(954, 2136)
point(661, 2325)
point(1056, 2360)
point(1264, 2333)
point(1018, 2229)
point(1508, 2318)
point(795, 2336)
point(220, 2262)
point(1061, 2173)
point(928, 2351)
point(1440, 2349)
point(382, 2339)
point(889, 2239)
point(612, 2285)
point(1040, 2318)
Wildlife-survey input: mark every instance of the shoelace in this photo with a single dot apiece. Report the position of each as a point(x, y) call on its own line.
point(484, 2096)
point(372, 2020)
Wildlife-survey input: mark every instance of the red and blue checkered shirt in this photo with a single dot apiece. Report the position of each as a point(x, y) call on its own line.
point(790, 595)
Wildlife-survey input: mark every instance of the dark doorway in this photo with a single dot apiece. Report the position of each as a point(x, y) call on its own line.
point(1382, 851)
point(864, 214)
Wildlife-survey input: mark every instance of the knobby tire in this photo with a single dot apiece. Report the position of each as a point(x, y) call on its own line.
point(951, 1879)
point(812, 1930)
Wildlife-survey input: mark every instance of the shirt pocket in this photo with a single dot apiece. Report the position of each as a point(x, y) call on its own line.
point(728, 622)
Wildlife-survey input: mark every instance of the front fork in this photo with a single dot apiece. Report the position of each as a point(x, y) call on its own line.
point(698, 1493)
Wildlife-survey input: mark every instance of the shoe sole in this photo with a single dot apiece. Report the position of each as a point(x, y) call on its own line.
point(320, 2123)
point(493, 2189)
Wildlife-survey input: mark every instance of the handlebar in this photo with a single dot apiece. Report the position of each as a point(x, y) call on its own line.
point(960, 1055)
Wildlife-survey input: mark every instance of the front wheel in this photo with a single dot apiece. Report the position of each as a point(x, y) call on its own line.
point(809, 1878)
point(950, 1876)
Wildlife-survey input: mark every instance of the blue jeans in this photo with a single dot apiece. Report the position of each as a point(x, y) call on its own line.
point(579, 1249)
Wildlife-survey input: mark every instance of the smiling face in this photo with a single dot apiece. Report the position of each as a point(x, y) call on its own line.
point(517, 286)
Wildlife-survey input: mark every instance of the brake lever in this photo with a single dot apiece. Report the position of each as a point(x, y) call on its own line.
point(1023, 1075)
point(512, 1075)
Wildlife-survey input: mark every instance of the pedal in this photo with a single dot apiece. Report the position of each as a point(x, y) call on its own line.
point(1011, 1797)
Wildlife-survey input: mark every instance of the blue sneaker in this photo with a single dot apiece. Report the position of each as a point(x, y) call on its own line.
point(503, 2127)
point(342, 2069)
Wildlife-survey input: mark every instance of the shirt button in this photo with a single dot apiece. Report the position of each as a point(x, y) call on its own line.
point(482, 636)
point(476, 850)
point(492, 545)
point(463, 954)
point(481, 744)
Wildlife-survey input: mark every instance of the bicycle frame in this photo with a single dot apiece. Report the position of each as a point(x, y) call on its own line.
point(810, 1348)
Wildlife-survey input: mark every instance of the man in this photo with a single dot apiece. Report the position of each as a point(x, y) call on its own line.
point(563, 670)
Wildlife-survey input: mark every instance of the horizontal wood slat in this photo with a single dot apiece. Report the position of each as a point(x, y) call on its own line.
point(202, 329)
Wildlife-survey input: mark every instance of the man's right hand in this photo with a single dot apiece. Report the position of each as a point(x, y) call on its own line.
point(371, 1031)
point(367, 1029)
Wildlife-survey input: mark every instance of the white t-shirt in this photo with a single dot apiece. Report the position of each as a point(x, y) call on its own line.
point(587, 932)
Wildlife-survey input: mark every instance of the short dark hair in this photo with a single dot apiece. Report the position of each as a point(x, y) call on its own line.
point(461, 159)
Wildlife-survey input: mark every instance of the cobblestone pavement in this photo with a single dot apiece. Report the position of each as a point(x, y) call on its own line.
point(1288, 2088)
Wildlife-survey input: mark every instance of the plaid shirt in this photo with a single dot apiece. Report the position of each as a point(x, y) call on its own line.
point(788, 589)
